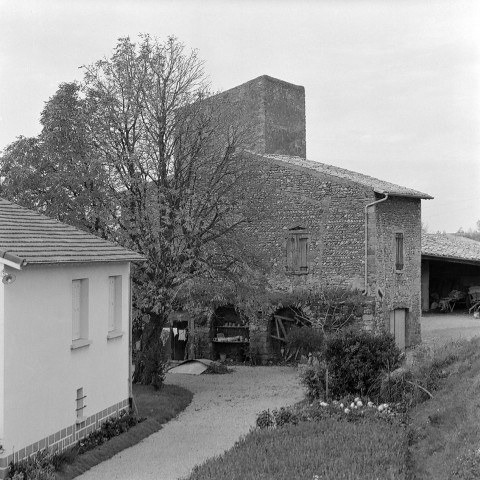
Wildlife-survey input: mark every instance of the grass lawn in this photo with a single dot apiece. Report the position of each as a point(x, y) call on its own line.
point(327, 450)
point(157, 406)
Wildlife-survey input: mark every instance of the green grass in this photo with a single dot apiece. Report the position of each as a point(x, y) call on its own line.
point(157, 406)
point(330, 449)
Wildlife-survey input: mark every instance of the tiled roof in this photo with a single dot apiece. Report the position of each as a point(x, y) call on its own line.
point(454, 247)
point(39, 239)
point(375, 184)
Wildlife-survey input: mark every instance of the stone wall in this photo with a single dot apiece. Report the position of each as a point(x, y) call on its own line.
point(275, 112)
point(330, 210)
point(398, 289)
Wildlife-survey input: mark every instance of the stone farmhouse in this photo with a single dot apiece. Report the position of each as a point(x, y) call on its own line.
point(65, 364)
point(318, 224)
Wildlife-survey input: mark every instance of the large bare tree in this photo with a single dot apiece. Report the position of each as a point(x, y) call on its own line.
point(159, 160)
point(174, 159)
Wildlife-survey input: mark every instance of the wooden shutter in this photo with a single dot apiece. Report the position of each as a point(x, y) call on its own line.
point(291, 253)
point(111, 304)
point(397, 326)
point(76, 313)
point(302, 254)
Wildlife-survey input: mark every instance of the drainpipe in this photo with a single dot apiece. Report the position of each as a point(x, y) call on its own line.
point(366, 237)
point(130, 342)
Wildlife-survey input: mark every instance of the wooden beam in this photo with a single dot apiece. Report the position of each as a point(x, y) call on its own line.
point(279, 338)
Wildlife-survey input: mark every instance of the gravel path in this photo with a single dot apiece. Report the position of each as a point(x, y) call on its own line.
point(442, 328)
point(224, 408)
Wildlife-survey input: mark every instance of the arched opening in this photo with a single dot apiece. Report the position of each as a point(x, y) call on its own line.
point(282, 322)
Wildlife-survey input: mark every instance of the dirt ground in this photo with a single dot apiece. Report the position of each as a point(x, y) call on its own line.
point(224, 408)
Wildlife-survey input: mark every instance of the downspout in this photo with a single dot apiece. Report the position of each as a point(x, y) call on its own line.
point(130, 342)
point(366, 238)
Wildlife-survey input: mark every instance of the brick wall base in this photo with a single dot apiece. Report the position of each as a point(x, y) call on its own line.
point(67, 437)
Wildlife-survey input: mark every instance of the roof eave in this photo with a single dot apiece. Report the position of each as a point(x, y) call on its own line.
point(450, 258)
point(12, 260)
point(420, 195)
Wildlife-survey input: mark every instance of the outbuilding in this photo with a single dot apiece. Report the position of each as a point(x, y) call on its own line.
point(64, 333)
point(450, 268)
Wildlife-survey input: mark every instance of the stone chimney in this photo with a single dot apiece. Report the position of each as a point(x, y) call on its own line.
point(276, 112)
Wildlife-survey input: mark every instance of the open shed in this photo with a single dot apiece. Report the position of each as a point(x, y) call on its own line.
point(450, 263)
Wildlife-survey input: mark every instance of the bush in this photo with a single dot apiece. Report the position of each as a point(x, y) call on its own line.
point(304, 340)
point(109, 429)
point(277, 418)
point(151, 366)
point(38, 467)
point(313, 377)
point(355, 360)
point(216, 368)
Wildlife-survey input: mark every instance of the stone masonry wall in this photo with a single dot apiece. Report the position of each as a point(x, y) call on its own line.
point(401, 289)
point(331, 211)
point(274, 110)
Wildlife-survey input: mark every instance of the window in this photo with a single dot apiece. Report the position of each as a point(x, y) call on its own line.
point(297, 250)
point(80, 313)
point(80, 402)
point(114, 306)
point(399, 251)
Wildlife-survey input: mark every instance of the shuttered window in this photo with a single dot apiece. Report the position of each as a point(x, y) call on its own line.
point(114, 303)
point(76, 299)
point(399, 251)
point(79, 312)
point(297, 251)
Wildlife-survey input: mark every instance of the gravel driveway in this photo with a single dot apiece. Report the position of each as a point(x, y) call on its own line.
point(441, 328)
point(224, 407)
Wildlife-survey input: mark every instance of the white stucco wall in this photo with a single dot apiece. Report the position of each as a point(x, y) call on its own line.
point(2, 362)
point(42, 372)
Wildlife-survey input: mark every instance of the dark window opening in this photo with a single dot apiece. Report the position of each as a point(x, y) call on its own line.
point(399, 251)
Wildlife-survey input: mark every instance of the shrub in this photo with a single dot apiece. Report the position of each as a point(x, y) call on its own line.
point(312, 377)
point(216, 368)
point(355, 359)
point(38, 467)
point(109, 429)
point(304, 340)
point(151, 366)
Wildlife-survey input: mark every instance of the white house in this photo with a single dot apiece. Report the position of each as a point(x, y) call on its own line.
point(64, 332)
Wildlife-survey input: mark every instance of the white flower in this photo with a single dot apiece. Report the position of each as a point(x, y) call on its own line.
point(357, 399)
point(381, 408)
point(359, 403)
point(347, 410)
point(323, 404)
point(370, 404)
point(341, 405)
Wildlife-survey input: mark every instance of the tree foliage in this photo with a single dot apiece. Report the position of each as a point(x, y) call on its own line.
point(141, 153)
point(56, 172)
point(470, 233)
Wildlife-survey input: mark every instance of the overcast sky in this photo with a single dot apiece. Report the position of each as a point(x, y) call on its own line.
point(392, 86)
